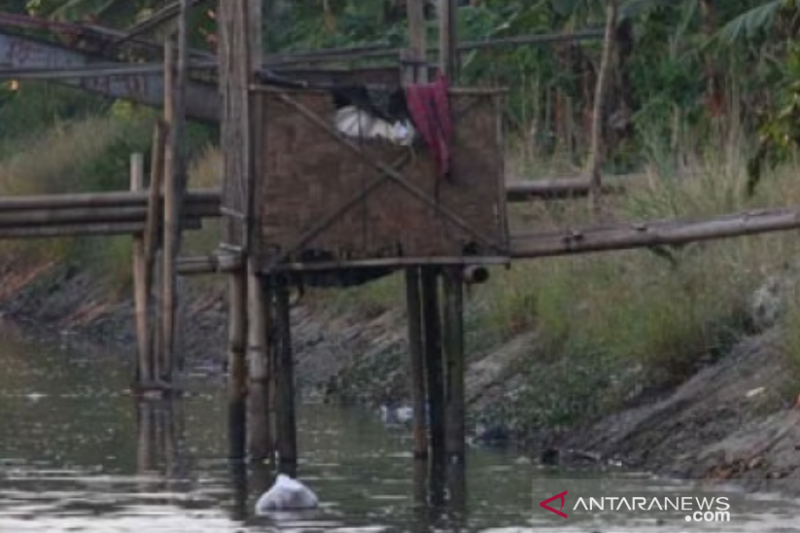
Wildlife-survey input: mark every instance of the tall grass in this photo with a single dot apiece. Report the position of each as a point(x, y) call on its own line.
point(84, 155)
point(613, 326)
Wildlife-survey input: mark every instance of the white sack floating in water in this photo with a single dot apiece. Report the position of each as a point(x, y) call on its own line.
point(286, 494)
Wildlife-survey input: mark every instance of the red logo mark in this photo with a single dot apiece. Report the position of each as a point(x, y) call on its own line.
point(561, 497)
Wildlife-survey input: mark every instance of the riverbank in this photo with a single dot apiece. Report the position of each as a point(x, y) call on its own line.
point(732, 418)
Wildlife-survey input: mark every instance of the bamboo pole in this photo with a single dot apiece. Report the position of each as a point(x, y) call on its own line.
point(144, 370)
point(377, 51)
point(260, 443)
point(433, 360)
point(416, 36)
point(86, 228)
point(420, 484)
point(154, 195)
point(145, 430)
point(454, 356)
point(286, 438)
point(208, 199)
point(171, 227)
point(415, 349)
point(559, 188)
point(178, 130)
point(42, 217)
point(260, 437)
point(153, 244)
point(237, 367)
point(673, 232)
point(595, 149)
point(448, 39)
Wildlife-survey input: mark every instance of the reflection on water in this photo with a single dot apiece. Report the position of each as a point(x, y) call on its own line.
point(78, 455)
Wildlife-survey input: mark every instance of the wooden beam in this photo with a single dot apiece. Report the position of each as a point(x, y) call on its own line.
point(49, 217)
point(207, 198)
point(82, 229)
point(152, 244)
point(625, 236)
point(259, 317)
point(448, 39)
point(434, 371)
point(237, 366)
point(286, 423)
point(417, 356)
point(559, 188)
point(235, 139)
point(208, 264)
point(260, 440)
point(596, 146)
point(144, 367)
point(453, 345)
point(379, 51)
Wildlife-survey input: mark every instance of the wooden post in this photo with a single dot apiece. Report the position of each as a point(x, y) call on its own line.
point(417, 72)
point(145, 459)
point(152, 244)
point(457, 491)
point(595, 148)
point(239, 24)
point(144, 371)
point(167, 296)
point(260, 443)
point(240, 510)
point(433, 360)
point(260, 438)
point(284, 377)
point(415, 349)
point(454, 356)
point(175, 174)
point(448, 39)
point(420, 482)
point(237, 368)
point(417, 40)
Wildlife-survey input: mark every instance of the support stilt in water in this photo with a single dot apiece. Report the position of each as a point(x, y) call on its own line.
point(239, 508)
point(237, 368)
point(260, 445)
point(431, 320)
point(415, 348)
point(144, 370)
point(453, 318)
point(152, 244)
point(146, 438)
point(457, 491)
point(171, 229)
point(420, 481)
point(286, 423)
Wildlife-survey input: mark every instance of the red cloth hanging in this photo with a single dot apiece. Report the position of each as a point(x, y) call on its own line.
point(429, 107)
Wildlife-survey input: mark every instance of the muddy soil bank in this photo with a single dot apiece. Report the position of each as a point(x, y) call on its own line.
point(736, 418)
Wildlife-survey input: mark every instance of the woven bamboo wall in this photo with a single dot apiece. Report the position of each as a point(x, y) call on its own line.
point(304, 175)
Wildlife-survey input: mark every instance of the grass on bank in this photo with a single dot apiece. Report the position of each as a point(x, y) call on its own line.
point(615, 326)
point(92, 154)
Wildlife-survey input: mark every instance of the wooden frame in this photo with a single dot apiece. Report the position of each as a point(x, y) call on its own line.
point(490, 235)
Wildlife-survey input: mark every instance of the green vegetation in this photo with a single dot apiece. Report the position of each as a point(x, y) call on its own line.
point(60, 141)
point(705, 106)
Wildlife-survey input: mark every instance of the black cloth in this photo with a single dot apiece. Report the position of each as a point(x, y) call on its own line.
point(386, 103)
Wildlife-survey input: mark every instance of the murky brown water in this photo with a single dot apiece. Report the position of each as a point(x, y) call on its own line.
point(78, 455)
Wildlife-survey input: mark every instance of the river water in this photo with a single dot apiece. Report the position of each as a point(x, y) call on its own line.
point(79, 455)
